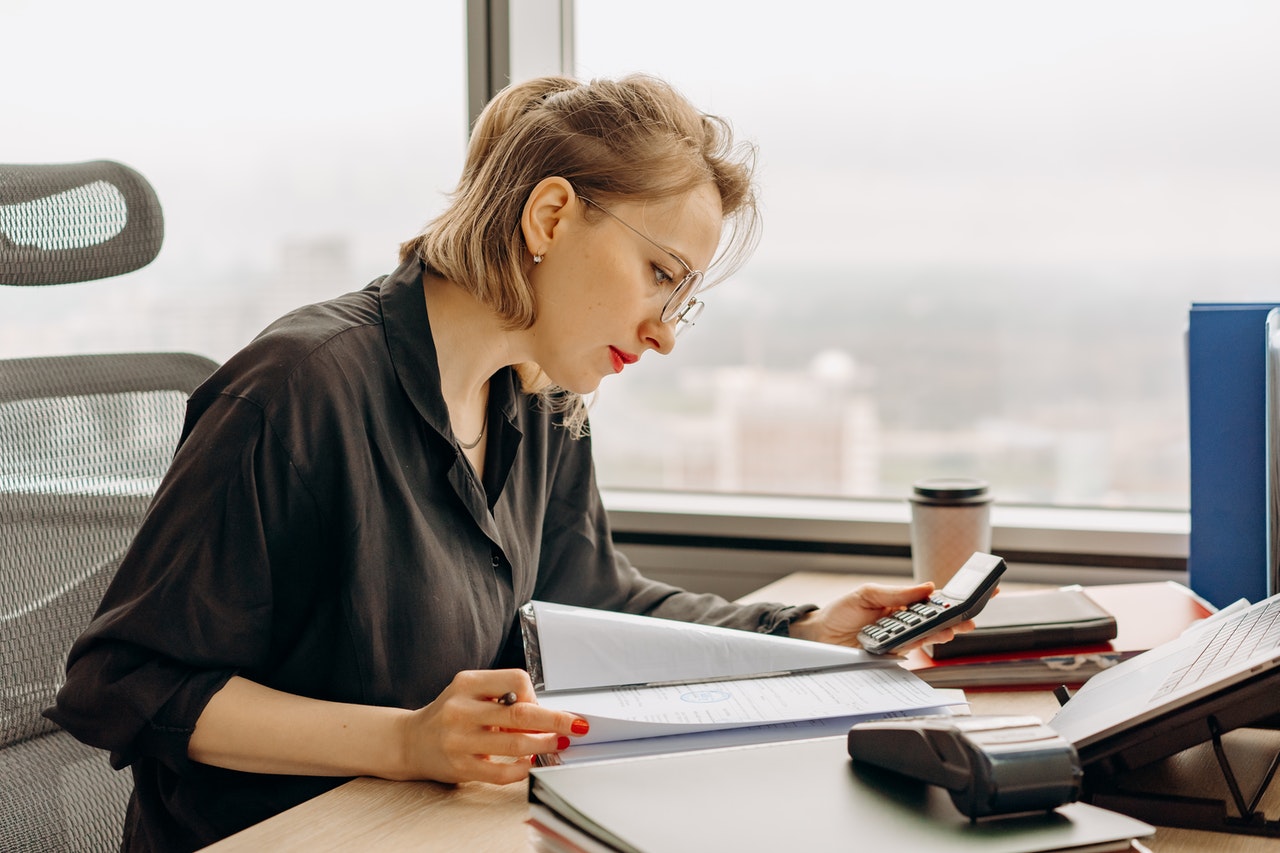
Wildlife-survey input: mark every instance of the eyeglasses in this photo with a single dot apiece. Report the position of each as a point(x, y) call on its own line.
point(681, 307)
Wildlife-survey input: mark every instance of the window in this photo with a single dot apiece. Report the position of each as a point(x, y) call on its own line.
point(984, 225)
point(291, 148)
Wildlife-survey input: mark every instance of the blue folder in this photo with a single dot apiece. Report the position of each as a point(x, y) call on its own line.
point(1227, 377)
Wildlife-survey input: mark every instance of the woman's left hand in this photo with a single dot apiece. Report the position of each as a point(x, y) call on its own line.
point(840, 621)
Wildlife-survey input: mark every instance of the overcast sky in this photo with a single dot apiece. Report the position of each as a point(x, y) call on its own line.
point(980, 131)
point(942, 131)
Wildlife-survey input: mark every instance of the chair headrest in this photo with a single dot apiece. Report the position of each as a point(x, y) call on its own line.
point(69, 222)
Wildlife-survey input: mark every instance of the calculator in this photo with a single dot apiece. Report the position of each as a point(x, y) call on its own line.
point(963, 597)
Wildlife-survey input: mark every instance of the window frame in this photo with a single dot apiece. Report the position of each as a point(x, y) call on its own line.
point(733, 543)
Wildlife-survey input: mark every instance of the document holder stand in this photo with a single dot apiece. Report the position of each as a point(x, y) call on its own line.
point(1119, 771)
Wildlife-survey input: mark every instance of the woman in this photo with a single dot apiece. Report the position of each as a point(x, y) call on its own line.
point(327, 581)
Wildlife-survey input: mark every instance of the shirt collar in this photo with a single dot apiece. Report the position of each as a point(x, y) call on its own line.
point(413, 351)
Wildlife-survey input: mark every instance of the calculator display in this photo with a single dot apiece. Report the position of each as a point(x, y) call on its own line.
point(965, 582)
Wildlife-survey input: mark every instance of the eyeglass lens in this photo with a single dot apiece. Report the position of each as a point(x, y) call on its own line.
point(685, 319)
point(681, 306)
point(680, 297)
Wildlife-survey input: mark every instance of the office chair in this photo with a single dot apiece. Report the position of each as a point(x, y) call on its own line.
point(84, 441)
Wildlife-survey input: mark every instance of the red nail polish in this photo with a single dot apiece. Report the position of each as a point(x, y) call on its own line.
point(580, 727)
point(562, 742)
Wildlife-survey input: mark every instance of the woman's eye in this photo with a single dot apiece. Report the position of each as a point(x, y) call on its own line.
point(661, 277)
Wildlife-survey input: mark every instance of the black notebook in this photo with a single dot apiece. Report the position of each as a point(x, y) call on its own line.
point(1026, 621)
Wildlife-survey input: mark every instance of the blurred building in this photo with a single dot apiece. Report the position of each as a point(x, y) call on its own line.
point(812, 431)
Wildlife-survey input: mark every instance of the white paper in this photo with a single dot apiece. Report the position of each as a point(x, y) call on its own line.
point(745, 736)
point(623, 713)
point(581, 648)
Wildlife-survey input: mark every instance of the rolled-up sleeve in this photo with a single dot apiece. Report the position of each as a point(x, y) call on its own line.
point(197, 596)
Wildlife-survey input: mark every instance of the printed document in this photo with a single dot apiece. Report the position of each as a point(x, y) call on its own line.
point(664, 685)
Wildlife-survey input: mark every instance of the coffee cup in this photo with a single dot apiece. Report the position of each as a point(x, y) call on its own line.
point(950, 520)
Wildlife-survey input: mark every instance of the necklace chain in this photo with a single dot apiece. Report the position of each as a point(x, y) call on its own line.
point(484, 422)
point(465, 446)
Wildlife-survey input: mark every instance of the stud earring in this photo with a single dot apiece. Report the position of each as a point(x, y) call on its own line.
point(537, 259)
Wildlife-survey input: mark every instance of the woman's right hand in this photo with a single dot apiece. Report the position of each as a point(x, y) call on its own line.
point(468, 735)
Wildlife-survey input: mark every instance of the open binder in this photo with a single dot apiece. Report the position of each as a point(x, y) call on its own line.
point(650, 685)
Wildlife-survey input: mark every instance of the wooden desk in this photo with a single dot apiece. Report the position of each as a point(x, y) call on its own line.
point(393, 816)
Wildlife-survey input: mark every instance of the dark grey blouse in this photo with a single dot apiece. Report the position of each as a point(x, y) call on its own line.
point(321, 533)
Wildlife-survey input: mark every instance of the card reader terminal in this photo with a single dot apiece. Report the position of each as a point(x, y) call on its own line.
point(991, 765)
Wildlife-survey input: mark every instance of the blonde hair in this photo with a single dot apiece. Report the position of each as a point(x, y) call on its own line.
point(631, 139)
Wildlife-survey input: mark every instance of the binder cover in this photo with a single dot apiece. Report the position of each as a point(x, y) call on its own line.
point(800, 795)
point(1226, 376)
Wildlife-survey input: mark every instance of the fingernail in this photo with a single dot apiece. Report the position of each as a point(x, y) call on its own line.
point(562, 742)
point(580, 727)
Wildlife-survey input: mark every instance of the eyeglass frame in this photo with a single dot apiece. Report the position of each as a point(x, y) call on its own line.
point(688, 308)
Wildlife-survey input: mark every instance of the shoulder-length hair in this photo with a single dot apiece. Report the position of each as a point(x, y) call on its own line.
point(631, 139)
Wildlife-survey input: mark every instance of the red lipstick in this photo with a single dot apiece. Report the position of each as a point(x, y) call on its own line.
point(621, 359)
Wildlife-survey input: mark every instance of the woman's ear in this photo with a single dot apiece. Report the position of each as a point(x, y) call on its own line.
point(548, 204)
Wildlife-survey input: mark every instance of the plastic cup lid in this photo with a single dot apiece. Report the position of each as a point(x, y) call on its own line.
point(950, 489)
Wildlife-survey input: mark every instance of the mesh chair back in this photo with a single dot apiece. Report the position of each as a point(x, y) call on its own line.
point(59, 795)
point(72, 222)
point(86, 440)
